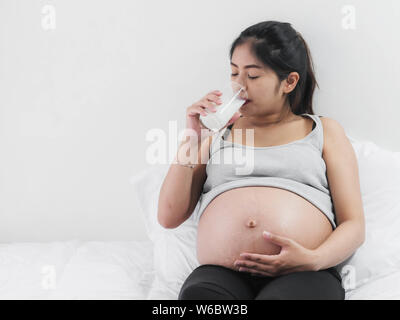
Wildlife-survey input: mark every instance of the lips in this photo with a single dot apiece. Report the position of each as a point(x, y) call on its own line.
point(247, 101)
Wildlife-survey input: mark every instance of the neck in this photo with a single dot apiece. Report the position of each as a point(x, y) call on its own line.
point(271, 119)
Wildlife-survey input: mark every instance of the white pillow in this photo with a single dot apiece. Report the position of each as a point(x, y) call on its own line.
point(379, 170)
point(174, 249)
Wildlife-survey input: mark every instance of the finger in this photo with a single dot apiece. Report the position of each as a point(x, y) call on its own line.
point(279, 240)
point(257, 267)
point(195, 110)
point(261, 258)
point(213, 95)
point(201, 110)
point(273, 268)
point(214, 98)
point(208, 105)
point(268, 270)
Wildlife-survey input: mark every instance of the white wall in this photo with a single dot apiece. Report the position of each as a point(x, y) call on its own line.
point(77, 97)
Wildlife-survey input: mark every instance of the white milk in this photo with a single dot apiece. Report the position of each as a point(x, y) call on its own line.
point(215, 121)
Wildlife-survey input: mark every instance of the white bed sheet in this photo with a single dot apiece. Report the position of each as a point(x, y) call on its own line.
point(384, 288)
point(109, 270)
point(76, 270)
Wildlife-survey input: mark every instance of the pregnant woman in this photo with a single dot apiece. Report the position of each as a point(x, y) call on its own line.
point(276, 231)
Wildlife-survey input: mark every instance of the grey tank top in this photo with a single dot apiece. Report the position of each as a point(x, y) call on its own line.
point(297, 166)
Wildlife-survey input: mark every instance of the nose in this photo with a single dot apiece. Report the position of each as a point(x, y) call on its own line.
point(243, 93)
point(241, 85)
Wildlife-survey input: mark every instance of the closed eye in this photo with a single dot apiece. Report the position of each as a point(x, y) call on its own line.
point(233, 75)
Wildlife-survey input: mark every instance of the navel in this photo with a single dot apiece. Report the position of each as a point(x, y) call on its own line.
point(251, 223)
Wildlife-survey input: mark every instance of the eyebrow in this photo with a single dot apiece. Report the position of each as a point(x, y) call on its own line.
point(248, 66)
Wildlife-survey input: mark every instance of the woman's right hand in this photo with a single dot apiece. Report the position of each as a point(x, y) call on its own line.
point(199, 108)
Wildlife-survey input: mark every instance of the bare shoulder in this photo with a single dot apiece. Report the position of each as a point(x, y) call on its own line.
point(330, 124)
point(342, 174)
point(335, 138)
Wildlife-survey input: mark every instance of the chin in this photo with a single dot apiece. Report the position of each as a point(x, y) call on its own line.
point(243, 109)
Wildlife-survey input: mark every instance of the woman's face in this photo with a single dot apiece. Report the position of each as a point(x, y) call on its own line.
point(267, 94)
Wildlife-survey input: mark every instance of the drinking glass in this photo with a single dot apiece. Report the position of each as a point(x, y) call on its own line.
point(234, 95)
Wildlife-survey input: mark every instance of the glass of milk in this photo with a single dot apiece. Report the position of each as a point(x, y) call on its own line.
point(234, 95)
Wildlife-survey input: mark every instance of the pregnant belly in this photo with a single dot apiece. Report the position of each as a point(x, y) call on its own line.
point(234, 221)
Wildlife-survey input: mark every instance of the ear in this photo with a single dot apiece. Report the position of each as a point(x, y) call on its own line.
point(291, 82)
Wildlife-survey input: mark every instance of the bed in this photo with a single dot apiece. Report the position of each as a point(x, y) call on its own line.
point(156, 268)
point(76, 270)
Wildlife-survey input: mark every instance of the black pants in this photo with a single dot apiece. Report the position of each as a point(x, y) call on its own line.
point(214, 282)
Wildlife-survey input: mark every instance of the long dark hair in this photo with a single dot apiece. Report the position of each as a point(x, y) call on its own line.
point(281, 48)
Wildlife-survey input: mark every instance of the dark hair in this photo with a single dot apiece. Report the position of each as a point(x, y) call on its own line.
point(281, 48)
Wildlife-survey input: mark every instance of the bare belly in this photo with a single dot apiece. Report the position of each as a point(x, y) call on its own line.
point(234, 221)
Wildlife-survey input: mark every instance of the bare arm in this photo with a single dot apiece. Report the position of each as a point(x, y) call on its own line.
point(182, 187)
point(343, 177)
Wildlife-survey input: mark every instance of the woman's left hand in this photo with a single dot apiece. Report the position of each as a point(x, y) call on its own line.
point(292, 258)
